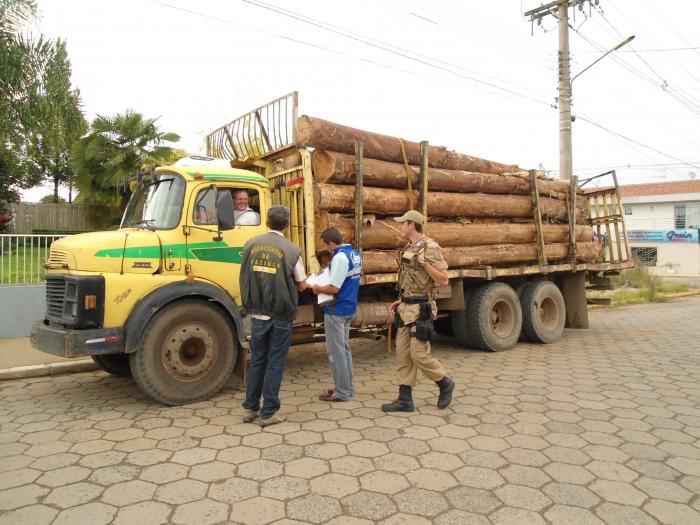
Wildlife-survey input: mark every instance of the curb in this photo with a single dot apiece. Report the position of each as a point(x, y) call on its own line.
point(683, 294)
point(52, 369)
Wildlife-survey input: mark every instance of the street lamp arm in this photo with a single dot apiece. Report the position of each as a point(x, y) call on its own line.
point(589, 66)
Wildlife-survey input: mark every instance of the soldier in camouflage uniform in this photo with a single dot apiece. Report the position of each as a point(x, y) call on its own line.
point(422, 269)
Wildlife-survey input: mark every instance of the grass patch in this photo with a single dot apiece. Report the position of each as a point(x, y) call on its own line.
point(23, 267)
point(673, 288)
point(638, 285)
point(635, 296)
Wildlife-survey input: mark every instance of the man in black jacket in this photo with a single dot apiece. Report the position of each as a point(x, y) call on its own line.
point(271, 273)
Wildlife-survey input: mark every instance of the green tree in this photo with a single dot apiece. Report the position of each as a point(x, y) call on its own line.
point(59, 123)
point(19, 57)
point(51, 198)
point(114, 149)
point(40, 114)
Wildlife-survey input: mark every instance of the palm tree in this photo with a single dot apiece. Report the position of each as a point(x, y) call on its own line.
point(115, 148)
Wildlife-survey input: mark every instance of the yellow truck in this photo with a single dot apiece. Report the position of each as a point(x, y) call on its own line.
point(159, 297)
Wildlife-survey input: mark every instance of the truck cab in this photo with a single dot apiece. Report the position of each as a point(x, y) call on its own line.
point(159, 297)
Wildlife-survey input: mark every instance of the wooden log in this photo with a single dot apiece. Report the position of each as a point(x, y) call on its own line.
point(339, 198)
point(322, 134)
point(338, 168)
point(376, 261)
point(288, 162)
point(385, 235)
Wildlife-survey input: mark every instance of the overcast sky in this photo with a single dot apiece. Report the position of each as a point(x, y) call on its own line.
point(475, 77)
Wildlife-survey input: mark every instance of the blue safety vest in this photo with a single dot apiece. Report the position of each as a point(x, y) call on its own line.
point(345, 302)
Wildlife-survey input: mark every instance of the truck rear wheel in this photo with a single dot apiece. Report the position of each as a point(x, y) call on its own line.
point(115, 364)
point(544, 312)
point(494, 317)
point(459, 320)
point(187, 355)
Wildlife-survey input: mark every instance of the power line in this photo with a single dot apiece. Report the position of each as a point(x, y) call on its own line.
point(660, 50)
point(686, 98)
point(688, 104)
point(355, 57)
point(323, 48)
point(683, 162)
point(483, 24)
point(673, 29)
point(383, 47)
point(288, 38)
point(666, 87)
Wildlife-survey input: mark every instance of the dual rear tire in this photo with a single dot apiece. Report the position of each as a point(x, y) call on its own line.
point(496, 315)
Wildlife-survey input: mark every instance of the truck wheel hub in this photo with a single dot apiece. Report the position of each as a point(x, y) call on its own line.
point(501, 318)
point(189, 350)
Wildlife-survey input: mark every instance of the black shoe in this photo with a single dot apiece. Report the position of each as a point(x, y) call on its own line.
point(447, 386)
point(403, 404)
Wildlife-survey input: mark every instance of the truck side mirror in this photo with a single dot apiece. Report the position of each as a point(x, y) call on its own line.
point(224, 210)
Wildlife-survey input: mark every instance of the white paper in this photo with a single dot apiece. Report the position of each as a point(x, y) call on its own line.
point(321, 278)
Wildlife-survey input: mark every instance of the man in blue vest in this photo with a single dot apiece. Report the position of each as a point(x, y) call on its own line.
point(345, 270)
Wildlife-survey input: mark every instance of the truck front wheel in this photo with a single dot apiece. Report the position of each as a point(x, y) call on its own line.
point(494, 317)
point(115, 364)
point(187, 354)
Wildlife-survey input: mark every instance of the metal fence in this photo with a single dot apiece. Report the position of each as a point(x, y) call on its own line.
point(22, 258)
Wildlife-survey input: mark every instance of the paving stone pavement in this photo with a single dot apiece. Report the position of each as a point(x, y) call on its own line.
point(603, 427)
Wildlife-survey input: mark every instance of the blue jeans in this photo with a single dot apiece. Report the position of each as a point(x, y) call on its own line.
point(270, 346)
point(339, 354)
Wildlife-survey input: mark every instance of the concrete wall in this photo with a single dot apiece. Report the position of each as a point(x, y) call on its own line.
point(650, 216)
point(674, 258)
point(20, 308)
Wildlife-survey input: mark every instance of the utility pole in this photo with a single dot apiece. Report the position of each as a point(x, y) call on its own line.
point(560, 10)
point(566, 164)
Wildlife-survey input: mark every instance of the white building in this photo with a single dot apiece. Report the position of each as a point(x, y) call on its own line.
point(662, 225)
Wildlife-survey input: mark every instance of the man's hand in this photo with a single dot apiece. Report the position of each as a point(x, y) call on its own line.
point(394, 306)
point(301, 286)
point(326, 288)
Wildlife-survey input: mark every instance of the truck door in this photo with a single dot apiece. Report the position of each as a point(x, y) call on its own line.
point(219, 259)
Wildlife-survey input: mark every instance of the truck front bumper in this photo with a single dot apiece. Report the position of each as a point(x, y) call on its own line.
point(67, 342)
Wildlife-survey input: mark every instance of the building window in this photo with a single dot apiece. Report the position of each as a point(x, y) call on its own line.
point(679, 216)
point(628, 210)
point(646, 256)
point(692, 216)
point(686, 216)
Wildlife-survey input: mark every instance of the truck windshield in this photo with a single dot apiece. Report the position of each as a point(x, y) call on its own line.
point(156, 204)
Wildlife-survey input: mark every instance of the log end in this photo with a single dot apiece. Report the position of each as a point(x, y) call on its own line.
point(322, 165)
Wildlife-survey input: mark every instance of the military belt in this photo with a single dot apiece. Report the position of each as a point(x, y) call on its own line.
point(414, 300)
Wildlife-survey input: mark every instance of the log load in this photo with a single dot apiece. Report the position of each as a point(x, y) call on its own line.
point(322, 134)
point(340, 198)
point(339, 168)
point(384, 234)
point(377, 261)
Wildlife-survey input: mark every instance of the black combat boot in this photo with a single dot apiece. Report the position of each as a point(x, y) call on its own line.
point(403, 404)
point(447, 386)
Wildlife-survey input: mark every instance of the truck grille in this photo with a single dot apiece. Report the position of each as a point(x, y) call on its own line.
point(57, 259)
point(55, 295)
